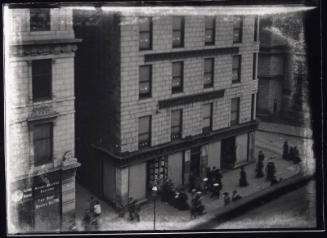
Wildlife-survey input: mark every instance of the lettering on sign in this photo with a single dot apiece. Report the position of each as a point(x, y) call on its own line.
point(46, 201)
point(43, 110)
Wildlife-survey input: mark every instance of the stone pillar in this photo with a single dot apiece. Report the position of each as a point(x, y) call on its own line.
point(122, 185)
point(68, 197)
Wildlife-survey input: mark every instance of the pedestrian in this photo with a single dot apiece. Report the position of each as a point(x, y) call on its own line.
point(214, 173)
point(285, 150)
point(291, 154)
point(236, 196)
point(182, 201)
point(270, 171)
point(208, 174)
point(97, 208)
point(205, 188)
point(216, 190)
point(191, 182)
point(243, 180)
point(226, 198)
point(131, 208)
point(261, 156)
point(164, 191)
point(259, 166)
point(91, 205)
point(296, 158)
point(86, 219)
point(198, 206)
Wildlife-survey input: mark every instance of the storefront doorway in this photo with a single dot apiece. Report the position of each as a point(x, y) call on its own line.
point(195, 168)
point(228, 153)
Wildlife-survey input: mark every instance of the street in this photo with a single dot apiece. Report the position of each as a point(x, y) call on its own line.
point(292, 210)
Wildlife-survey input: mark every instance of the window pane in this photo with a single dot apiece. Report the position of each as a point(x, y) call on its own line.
point(42, 131)
point(39, 19)
point(42, 149)
point(176, 118)
point(237, 21)
point(145, 41)
point(144, 137)
point(177, 69)
point(144, 125)
point(145, 23)
point(177, 23)
point(177, 38)
point(235, 76)
point(144, 73)
point(209, 22)
point(144, 88)
point(206, 122)
point(209, 36)
point(208, 65)
point(176, 82)
point(236, 61)
point(41, 78)
point(234, 105)
point(208, 79)
point(206, 110)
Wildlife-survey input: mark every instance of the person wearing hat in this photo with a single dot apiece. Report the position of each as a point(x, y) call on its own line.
point(236, 196)
point(182, 201)
point(205, 185)
point(226, 198)
point(259, 167)
point(285, 150)
point(216, 190)
point(243, 180)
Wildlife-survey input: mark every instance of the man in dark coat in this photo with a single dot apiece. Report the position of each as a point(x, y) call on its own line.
point(285, 150)
point(270, 171)
point(182, 201)
point(216, 190)
point(297, 158)
point(259, 167)
point(243, 180)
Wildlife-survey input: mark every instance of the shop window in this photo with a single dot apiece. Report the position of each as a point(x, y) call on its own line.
point(42, 142)
point(40, 19)
point(178, 31)
point(208, 72)
point(177, 80)
point(210, 23)
point(145, 77)
point(176, 124)
point(42, 79)
point(235, 111)
point(206, 113)
point(157, 171)
point(144, 131)
point(145, 26)
point(237, 29)
point(236, 68)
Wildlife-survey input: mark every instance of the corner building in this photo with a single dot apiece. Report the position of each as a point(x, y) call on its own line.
point(40, 117)
point(171, 96)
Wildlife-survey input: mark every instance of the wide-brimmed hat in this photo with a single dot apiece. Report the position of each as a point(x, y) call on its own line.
point(216, 184)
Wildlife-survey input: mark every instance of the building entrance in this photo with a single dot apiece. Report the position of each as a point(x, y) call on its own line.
point(195, 168)
point(228, 153)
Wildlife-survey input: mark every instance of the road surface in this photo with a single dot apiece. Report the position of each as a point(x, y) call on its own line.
point(296, 209)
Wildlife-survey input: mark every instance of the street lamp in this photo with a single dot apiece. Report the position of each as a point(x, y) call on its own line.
point(154, 194)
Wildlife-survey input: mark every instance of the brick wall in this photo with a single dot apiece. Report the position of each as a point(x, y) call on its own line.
point(131, 58)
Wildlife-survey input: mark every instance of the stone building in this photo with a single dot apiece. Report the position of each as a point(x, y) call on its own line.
point(162, 97)
point(40, 112)
point(283, 84)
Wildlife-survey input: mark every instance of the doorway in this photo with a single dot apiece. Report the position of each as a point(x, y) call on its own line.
point(228, 153)
point(195, 162)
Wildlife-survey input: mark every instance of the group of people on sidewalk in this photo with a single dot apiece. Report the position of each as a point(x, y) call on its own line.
point(90, 220)
point(291, 153)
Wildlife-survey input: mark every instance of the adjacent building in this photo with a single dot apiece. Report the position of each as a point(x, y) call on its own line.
point(162, 96)
point(282, 73)
point(40, 112)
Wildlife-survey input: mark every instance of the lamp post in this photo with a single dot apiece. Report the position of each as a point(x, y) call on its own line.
point(154, 194)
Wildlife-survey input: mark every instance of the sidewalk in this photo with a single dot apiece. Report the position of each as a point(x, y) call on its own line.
point(284, 129)
point(169, 218)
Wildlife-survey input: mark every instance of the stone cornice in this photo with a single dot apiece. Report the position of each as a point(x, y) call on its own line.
point(171, 102)
point(125, 159)
point(44, 47)
point(187, 53)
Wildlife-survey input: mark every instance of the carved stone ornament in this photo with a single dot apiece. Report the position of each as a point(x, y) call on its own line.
point(32, 50)
point(17, 196)
point(68, 158)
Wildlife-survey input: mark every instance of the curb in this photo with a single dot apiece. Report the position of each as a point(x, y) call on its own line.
point(281, 133)
point(222, 213)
